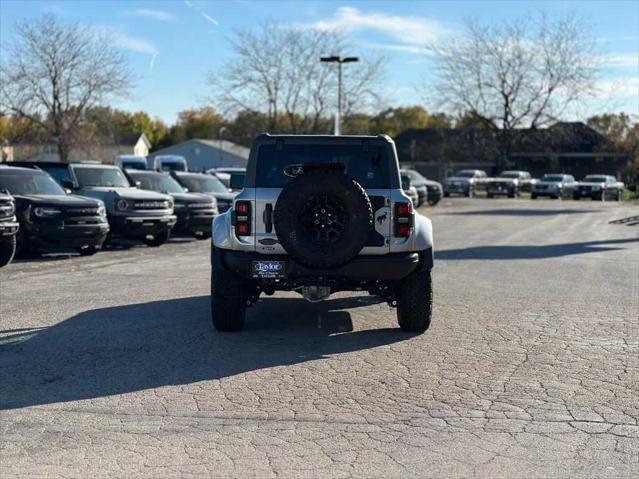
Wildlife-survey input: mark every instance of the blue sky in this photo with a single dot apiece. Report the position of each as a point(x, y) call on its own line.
point(172, 45)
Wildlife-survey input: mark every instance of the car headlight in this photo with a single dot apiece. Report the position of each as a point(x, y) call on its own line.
point(171, 204)
point(122, 204)
point(44, 212)
point(101, 211)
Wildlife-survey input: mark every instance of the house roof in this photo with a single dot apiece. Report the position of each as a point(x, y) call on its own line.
point(479, 143)
point(225, 145)
point(131, 139)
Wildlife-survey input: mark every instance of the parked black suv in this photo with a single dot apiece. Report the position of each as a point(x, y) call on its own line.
point(194, 211)
point(132, 213)
point(433, 189)
point(8, 228)
point(51, 220)
point(207, 185)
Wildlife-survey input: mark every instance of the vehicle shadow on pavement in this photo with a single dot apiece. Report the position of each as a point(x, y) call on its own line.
point(521, 212)
point(129, 348)
point(531, 251)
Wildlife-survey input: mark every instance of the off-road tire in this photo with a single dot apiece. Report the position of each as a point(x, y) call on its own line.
point(432, 202)
point(489, 195)
point(202, 236)
point(513, 194)
point(24, 248)
point(88, 251)
point(446, 195)
point(533, 197)
point(7, 250)
point(415, 302)
point(295, 230)
point(228, 301)
point(158, 239)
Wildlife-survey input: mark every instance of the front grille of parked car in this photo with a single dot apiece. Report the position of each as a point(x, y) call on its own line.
point(70, 212)
point(6, 209)
point(82, 216)
point(201, 206)
point(151, 205)
point(585, 188)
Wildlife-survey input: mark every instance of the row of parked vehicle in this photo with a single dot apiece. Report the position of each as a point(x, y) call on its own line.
point(420, 189)
point(513, 183)
point(52, 206)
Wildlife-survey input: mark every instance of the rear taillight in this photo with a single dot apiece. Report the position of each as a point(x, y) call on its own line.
point(242, 218)
point(403, 219)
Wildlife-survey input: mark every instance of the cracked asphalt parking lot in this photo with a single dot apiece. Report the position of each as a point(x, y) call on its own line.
point(109, 366)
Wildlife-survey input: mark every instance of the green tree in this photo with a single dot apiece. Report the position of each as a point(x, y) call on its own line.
point(202, 122)
point(54, 72)
point(624, 138)
point(470, 120)
point(106, 124)
point(395, 120)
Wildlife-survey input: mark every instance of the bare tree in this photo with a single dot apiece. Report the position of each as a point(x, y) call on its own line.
point(55, 72)
point(520, 74)
point(277, 71)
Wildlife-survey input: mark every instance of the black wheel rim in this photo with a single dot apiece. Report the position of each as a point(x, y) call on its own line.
point(323, 219)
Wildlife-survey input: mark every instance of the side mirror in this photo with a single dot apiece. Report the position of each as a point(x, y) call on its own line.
point(138, 184)
point(67, 185)
point(67, 191)
point(186, 190)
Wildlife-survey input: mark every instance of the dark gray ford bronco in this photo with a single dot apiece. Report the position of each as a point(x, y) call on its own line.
point(317, 215)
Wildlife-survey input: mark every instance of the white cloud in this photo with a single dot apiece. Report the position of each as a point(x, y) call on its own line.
point(138, 45)
point(619, 87)
point(410, 30)
point(393, 47)
point(209, 18)
point(159, 15)
point(621, 60)
point(199, 6)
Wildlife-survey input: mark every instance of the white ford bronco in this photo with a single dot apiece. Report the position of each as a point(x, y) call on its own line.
point(317, 215)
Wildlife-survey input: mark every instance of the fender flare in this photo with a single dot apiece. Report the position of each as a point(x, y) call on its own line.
point(423, 241)
point(221, 231)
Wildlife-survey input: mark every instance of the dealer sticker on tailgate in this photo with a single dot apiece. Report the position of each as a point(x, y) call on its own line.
point(268, 269)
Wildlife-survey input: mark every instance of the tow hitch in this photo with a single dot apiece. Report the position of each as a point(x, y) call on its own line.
point(315, 294)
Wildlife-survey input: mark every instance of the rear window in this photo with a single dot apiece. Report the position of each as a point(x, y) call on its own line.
point(276, 168)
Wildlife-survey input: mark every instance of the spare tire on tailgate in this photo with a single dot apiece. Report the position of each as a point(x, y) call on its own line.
point(323, 218)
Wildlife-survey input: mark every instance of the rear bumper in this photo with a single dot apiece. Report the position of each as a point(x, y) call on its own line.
point(501, 189)
point(592, 194)
point(456, 189)
point(546, 193)
point(389, 267)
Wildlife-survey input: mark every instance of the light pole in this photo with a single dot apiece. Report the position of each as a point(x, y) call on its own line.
point(339, 60)
point(219, 139)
